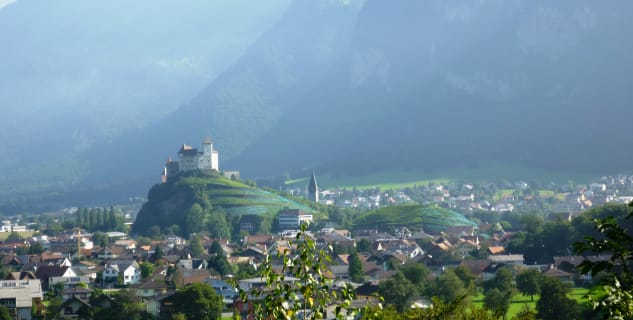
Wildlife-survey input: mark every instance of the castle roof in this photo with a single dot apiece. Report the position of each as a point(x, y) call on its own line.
point(188, 150)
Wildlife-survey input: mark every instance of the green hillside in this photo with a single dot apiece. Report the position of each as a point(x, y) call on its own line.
point(170, 203)
point(432, 219)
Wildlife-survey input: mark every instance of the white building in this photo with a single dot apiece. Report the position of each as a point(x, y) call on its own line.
point(129, 271)
point(18, 296)
point(189, 159)
point(8, 227)
point(293, 219)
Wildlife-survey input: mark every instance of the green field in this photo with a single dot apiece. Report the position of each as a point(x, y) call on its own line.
point(432, 218)
point(520, 301)
point(23, 234)
point(398, 179)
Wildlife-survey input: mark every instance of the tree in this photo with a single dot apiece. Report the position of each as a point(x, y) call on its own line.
point(36, 248)
point(418, 274)
point(218, 225)
point(502, 280)
point(158, 252)
point(53, 309)
point(112, 219)
point(554, 303)
point(449, 287)
point(498, 302)
point(4, 313)
point(147, 269)
point(197, 250)
point(218, 261)
point(466, 276)
point(101, 239)
point(198, 301)
point(195, 219)
point(14, 236)
point(616, 299)
point(283, 300)
point(355, 268)
point(529, 282)
point(397, 291)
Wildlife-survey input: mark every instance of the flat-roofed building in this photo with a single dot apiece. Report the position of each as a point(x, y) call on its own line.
point(18, 296)
point(293, 219)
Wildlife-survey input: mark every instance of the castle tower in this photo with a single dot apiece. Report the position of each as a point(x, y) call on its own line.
point(313, 189)
point(209, 157)
point(207, 146)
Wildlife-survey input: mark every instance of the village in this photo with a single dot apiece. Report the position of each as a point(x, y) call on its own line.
point(53, 253)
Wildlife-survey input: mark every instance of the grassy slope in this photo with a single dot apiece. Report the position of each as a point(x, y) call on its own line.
point(519, 301)
point(396, 179)
point(239, 198)
point(23, 234)
point(431, 217)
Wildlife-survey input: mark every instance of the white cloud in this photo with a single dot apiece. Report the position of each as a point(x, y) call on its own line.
point(4, 3)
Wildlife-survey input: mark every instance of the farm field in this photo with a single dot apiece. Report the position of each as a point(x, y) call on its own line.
point(398, 179)
point(520, 301)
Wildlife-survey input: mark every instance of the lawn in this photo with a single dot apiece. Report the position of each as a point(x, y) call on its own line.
point(23, 234)
point(520, 301)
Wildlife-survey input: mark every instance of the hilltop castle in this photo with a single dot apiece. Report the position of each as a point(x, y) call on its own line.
point(189, 159)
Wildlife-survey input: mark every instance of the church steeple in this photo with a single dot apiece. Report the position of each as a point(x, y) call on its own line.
point(313, 189)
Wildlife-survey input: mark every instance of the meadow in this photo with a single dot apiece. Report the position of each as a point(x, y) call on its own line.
point(399, 179)
point(520, 301)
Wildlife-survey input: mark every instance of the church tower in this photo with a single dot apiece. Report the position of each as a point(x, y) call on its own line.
point(313, 189)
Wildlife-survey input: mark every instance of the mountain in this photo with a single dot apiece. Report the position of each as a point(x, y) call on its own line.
point(438, 85)
point(356, 87)
point(75, 74)
point(248, 99)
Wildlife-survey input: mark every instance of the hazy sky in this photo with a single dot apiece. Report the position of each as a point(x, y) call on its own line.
point(4, 3)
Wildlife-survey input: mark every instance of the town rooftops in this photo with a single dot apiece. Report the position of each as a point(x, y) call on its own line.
point(507, 258)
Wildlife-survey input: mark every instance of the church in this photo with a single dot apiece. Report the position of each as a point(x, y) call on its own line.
point(190, 159)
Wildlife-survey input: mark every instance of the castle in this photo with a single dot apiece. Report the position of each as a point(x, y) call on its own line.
point(189, 159)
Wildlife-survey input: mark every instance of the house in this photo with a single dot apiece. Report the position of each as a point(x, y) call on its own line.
point(76, 292)
point(224, 289)
point(129, 271)
point(476, 267)
point(21, 275)
point(367, 291)
point(565, 277)
point(51, 275)
point(466, 245)
point(495, 250)
point(334, 237)
point(408, 249)
point(340, 272)
point(127, 244)
point(293, 219)
point(513, 259)
point(185, 277)
point(71, 308)
point(193, 264)
point(152, 286)
point(175, 241)
point(19, 296)
point(110, 253)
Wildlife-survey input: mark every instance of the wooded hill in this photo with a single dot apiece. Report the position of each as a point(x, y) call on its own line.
point(200, 201)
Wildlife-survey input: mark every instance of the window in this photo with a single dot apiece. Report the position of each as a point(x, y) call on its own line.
point(7, 302)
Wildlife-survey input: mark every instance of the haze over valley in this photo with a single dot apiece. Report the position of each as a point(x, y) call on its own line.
point(351, 88)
